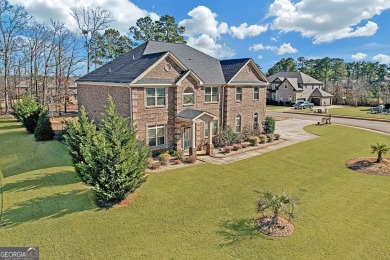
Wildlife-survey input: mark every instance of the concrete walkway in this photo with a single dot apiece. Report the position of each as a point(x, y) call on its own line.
point(291, 130)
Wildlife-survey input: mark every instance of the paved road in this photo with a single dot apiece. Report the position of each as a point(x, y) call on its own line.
point(372, 125)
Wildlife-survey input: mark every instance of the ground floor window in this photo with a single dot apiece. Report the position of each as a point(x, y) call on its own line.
point(156, 135)
point(238, 123)
point(214, 128)
point(255, 121)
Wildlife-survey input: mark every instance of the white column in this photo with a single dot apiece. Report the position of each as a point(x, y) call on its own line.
point(210, 133)
point(193, 136)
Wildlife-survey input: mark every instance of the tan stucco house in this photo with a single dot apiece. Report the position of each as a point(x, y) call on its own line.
point(292, 87)
point(177, 96)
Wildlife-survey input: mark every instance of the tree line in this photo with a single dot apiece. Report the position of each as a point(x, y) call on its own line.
point(40, 59)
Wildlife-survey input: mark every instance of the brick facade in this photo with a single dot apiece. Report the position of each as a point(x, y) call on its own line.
point(93, 98)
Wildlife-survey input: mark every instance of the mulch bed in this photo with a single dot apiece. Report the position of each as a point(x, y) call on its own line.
point(282, 229)
point(128, 200)
point(368, 165)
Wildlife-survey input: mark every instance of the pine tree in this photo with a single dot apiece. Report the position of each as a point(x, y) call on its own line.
point(43, 131)
point(77, 134)
point(115, 161)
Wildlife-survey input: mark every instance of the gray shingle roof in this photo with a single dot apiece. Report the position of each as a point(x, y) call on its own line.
point(231, 67)
point(191, 114)
point(302, 77)
point(320, 93)
point(130, 65)
point(294, 83)
point(206, 67)
point(124, 69)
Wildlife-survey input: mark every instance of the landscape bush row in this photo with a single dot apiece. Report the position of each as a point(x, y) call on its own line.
point(33, 117)
point(228, 137)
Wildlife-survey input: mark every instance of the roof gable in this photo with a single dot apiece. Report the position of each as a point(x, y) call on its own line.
point(320, 93)
point(300, 76)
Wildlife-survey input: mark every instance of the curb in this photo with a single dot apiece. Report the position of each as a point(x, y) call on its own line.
point(341, 116)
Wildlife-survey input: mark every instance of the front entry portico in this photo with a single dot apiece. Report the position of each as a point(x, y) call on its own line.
point(189, 118)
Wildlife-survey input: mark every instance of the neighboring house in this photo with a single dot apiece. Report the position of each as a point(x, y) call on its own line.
point(176, 96)
point(297, 86)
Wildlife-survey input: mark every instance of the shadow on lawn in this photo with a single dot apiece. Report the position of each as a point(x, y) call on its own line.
point(238, 230)
point(11, 127)
point(54, 206)
point(45, 178)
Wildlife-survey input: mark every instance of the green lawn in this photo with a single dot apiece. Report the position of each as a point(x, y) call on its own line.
point(348, 111)
point(272, 107)
point(357, 112)
point(199, 212)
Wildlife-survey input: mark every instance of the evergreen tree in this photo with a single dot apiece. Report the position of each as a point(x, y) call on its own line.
point(77, 134)
point(269, 125)
point(115, 161)
point(44, 131)
point(165, 29)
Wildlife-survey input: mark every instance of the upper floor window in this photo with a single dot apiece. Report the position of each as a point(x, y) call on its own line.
point(156, 135)
point(214, 128)
point(256, 93)
point(211, 94)
point(255, 121)
point(238, 123)
point(188, 96)
point(155, 97)
point(238, 93)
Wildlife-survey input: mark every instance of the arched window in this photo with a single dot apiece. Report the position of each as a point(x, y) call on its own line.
point(255, 121)
point(238, 123)
point(188, 96)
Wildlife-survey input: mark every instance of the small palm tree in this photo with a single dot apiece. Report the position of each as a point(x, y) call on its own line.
point(278, 204)
point(379, 149)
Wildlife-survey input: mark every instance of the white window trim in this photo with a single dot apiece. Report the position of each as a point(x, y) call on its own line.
point(211, 94)
point(258, 93)
point(155, 97)
point(235, 123)
point(205, 124)
point(254, 120)
point(157, 127)
point(238, 100)
point(193, 93)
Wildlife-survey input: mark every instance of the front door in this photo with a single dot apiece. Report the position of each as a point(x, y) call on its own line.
point(186, 138)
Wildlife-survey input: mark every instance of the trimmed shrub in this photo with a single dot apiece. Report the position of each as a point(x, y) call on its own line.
point(263, 139)
point(277, 136)
point(44, 131)
point(269, 125)
point(245, 145)
point(227, 149)
point(270, 138)
point(27, 110)
point(226, 138)
point(236, 147)
point(164, 158)
point(191, 159)
point(155, 165)
point(176, 161)
point(150, 162)
point(179, 154)
point(253, 140)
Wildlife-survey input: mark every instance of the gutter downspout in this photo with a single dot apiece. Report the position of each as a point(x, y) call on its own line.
point(223, 107)
point(131, 105)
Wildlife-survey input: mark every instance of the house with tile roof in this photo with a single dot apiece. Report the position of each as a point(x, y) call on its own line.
point(177, 96)
point(292, 87)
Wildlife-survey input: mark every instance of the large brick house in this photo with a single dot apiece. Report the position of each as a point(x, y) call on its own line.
point(297, 86)
point(177, 96)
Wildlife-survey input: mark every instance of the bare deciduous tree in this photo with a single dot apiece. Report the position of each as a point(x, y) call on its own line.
point(90, 20)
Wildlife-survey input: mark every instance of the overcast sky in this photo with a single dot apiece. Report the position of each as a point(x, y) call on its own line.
point(263, 30)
